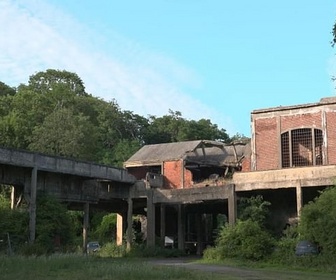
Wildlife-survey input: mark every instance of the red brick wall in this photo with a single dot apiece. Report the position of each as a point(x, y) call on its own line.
point(246, 165)
point(172, 171)
point(266, 144)
point(188, 183)
point(266, 138)
point(301, 121)
point(331, 134)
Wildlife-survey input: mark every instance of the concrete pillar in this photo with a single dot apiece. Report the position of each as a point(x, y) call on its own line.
point(232, 204)
point(299, 199)
point(120, 229)
point(12, 197)
point(162, 224)
point(150, 219)
point(129, 231)
point(181, 226)
point(85, 226)
point(199, 234)
point(32, 206)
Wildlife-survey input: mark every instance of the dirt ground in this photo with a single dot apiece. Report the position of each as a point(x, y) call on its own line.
point(241, 273)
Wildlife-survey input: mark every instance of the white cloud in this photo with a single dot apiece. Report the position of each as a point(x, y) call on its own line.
point(37, 37)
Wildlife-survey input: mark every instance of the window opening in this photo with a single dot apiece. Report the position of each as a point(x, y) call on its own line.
point(301, 147)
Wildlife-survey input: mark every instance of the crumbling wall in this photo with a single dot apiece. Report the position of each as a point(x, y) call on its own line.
point(174, 171)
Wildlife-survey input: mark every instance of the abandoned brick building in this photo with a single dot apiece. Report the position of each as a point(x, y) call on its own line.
point(182, 189)
point(290, 157)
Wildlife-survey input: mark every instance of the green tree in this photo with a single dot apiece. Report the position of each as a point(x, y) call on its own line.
point(53, 224)
point(318, 221)
point(51, 79)
point(254, 208)
point(6, 90)
point(106, 230)
point(65, 134)
point(174, 128)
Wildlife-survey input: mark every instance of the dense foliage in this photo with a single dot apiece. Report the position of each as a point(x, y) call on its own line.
point(54, 114)
point(248, 239)
point(318, 221)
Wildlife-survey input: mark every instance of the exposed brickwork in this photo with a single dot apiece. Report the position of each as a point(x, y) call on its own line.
point(268, 129)
point(172, 171)
point(301, 121)
point(331, 133)
point(246, 165)
point(267, 156)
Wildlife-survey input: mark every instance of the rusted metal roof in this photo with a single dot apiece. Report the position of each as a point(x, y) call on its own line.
point(198, 152)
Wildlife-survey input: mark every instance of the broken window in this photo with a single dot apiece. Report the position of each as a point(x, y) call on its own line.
point(301, 147)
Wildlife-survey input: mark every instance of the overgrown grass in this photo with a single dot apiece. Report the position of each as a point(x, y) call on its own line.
point(90, 267)
point(314, 263)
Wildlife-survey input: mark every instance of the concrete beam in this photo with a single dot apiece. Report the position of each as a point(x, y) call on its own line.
point(285, 178)
point(191, 194)
point(64, 166)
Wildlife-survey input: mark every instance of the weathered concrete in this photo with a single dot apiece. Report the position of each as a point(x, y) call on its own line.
point(191, 194)
point(285, 178)
point(64, 166)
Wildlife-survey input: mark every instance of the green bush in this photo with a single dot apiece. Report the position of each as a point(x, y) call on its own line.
point(112, 250)
point(211, 254)
point(54, 228)
point(284, 251)
point(33, 250)
point(318, 221)
point(244, 240)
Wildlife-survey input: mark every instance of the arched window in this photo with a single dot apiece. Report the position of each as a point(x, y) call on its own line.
point(301, 147)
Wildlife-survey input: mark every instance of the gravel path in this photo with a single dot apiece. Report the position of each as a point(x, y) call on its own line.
point(240, 273)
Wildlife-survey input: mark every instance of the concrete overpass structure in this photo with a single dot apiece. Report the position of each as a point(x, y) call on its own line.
point(81, 184)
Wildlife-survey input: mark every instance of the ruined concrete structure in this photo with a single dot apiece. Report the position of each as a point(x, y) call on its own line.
point(290, 157)
point(182, 188)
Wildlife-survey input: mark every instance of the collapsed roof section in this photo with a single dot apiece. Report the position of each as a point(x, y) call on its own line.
point(198, 152)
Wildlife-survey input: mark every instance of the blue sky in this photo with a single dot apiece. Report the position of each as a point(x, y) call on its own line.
point(212, 59)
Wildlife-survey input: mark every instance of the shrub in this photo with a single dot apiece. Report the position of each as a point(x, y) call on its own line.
point(318, 221)
point(112, 250)
point(244, 240)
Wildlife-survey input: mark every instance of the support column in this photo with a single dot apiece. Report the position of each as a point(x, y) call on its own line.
point(150, 219)
point(120, 229)
point(299, 199)
point(162, 224)
point(181, 227)
point(12, 197)
point(129, 231)
point(32, 206)
point(199, 233)
point(85, 226)
point(232, 205)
